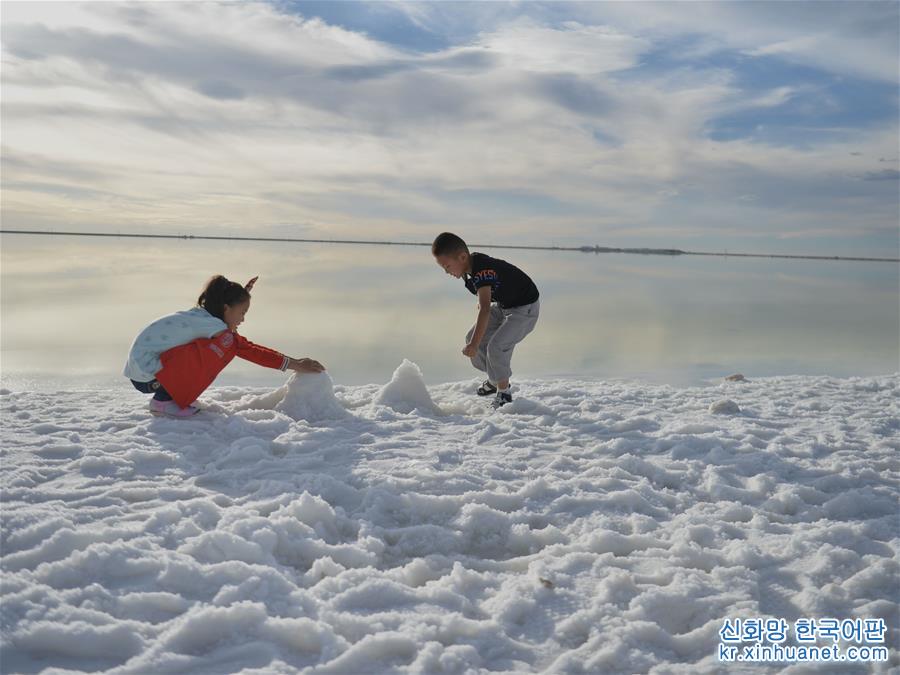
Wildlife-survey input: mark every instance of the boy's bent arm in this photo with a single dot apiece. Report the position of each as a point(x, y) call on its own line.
point(484, 312)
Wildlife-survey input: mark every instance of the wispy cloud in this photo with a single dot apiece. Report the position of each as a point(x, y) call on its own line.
point(884, 174)
point(857, 39)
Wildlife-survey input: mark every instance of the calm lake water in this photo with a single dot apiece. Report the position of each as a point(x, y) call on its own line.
point(71, 307)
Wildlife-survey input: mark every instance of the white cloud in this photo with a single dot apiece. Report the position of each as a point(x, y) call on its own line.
point(850, 38)
point(576, 49)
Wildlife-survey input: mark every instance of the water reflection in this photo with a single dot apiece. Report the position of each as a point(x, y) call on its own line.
point(70, 308)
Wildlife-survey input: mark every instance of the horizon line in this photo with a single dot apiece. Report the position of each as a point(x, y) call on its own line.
point(596, 249)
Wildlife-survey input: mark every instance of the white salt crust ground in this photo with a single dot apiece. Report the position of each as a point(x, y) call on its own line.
point(411, 529)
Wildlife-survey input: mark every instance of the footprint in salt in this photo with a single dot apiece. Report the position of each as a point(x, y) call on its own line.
point(407, 392)
point(310, 397)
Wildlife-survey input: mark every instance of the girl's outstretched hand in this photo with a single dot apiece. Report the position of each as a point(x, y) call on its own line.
point(306, 366)
point(249, 285)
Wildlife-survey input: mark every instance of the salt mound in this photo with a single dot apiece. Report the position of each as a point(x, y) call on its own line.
point(407, 391)
point(310, 397)
point(725, 407)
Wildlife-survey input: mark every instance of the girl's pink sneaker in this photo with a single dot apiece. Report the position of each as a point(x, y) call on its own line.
point(171, 409)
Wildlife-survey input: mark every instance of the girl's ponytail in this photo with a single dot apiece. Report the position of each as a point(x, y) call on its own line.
point(220, 292)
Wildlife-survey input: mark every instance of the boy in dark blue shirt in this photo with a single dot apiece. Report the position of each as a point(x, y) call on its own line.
point(508, 309)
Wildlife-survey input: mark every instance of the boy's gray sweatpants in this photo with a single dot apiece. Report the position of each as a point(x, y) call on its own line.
point(506, 328)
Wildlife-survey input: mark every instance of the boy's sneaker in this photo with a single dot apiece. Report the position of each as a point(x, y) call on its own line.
point(171, 409)
point(486, 389)
point(501, 399)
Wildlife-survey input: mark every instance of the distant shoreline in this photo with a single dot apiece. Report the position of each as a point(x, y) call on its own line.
point(580, 249)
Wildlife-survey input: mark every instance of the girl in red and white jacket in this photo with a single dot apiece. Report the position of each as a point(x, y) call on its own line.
point(178, 356)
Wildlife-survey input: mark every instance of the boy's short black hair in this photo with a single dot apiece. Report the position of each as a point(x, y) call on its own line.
point(447, 243)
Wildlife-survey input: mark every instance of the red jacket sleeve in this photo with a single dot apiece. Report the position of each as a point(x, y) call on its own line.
point(259, 354)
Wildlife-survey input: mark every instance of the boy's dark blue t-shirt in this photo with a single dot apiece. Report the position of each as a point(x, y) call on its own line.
point(510, 286)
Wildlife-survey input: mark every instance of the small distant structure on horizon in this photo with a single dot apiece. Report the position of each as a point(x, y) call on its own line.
point(642, 251)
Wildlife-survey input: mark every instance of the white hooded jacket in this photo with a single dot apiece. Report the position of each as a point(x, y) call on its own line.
point(163, 334)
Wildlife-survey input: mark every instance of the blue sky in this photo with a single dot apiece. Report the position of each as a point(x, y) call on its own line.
point(755, 126)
